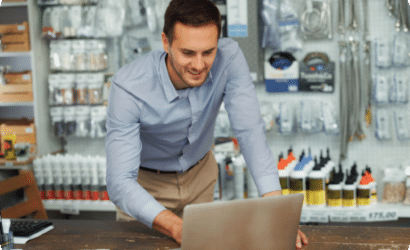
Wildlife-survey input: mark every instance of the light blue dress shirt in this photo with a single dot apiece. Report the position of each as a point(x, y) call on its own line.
point(151, 124)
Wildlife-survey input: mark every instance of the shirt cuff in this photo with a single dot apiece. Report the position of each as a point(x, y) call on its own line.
point(149, 212)
point(268, 184)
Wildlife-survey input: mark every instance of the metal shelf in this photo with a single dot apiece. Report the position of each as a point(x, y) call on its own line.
point(16, 104)
point(13, 4)
point(374, 213)
point(74, 207)
point(15, 54)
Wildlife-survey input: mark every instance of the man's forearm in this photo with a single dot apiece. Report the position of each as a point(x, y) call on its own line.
point(273, 193)
point(169, 224)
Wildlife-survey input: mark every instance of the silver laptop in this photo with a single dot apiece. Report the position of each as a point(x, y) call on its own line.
point(260, 223)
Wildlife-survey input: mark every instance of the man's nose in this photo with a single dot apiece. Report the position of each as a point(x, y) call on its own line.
point(198, 63)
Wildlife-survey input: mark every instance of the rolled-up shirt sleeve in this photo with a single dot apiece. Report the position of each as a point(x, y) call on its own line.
point(123, 148)
point(248, 126)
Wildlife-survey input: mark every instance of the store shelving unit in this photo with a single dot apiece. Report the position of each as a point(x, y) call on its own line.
point(35, 61)
point(75, 207)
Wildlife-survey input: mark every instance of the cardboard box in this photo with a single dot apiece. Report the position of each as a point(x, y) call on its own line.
point(18, 77)
point(16, 93)
point(14, 28)
point(24, 130)
point(15, 37)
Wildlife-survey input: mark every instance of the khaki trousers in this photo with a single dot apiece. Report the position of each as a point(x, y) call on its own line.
point(176, 190)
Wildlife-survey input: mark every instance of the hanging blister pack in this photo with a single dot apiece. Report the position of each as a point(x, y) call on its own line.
point(98, 119)
point(399, 89)
point(382, 125)
point(69, 120)
point(55, 56)
point(67, 85)
point(289, 28)
point(66, 55)
point(57, 121)
point(316, 19)
point(109, 19)
point(383, 53)
point(81, 96)
point(267, 114)
point(286, 118)
point(381, 89)
point(401, 123)
point(88, 22)
point(82, 121)
point(401, 51)
point(56, 96)
point(316, 73)
point(270, 17)
point(330, 124)
point(310, 121)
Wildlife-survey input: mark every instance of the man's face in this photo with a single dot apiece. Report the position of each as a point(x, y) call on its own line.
point(191, 54)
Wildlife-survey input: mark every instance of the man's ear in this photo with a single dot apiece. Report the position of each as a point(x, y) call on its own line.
point(165, 42)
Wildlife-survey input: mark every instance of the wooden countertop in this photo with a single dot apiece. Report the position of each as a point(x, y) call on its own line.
point(92, 234)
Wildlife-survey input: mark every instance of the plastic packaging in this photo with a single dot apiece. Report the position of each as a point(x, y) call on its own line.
point(393, 185)
point(67, 84)
point(381, 89)
point(289, 28)
point(79, 53)
point(98, 120)
point(70, 120)
point(81, 96)
point(316, 19)
point(55, 56)
point(383, 130)
point(399, 88)
point(309, 117)
point(57, 121)
point(401, 121)
point(270, 16)
point(56, 97)
point(88, 22)
point(66, 55)
point(95, 83)
point(383, 53)
point(286, 118)
point(401, 50)
point(406, 200)
point(82, 121)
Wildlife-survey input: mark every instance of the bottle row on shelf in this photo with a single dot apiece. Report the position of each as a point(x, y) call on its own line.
point(71, 177)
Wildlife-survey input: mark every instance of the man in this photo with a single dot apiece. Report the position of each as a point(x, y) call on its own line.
point(161, 116)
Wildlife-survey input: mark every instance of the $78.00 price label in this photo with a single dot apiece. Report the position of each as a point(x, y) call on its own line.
point(383, 215)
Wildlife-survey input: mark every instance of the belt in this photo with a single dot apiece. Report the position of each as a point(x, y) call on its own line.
point(170, 172)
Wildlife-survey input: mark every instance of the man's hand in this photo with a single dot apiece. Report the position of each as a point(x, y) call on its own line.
point(169, 224)
point(301, 237)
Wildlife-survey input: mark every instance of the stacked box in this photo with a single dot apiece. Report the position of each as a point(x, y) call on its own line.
point(15, 37)
point(24, 130)
point(18, 87)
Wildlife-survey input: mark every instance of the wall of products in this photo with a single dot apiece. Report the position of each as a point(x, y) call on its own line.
point(330, 58)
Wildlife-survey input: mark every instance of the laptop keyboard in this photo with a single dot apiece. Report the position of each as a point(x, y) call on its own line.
point(23, 228)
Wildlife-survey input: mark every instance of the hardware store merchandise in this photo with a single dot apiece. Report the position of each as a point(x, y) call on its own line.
point(331, 78)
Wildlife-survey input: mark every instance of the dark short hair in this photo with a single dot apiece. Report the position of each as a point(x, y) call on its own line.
point(190, 12)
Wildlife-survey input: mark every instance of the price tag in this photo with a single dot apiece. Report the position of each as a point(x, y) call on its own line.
point(70, 208)
point(9, 164)
point(383, 215)
point(304, 217)
point(319, 216)
point(358, 216)
point(339, 216)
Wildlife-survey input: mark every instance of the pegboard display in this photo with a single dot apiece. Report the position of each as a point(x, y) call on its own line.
point(369, 151)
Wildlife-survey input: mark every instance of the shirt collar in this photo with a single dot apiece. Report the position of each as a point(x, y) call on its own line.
point(170, 91)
